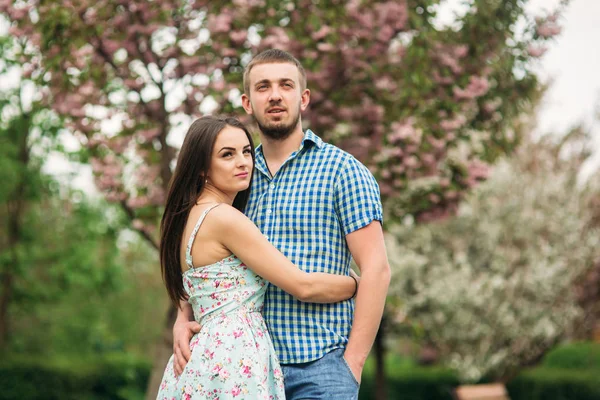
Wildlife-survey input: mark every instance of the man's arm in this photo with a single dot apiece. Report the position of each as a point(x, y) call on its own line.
point(368, 250)
point(183, 329)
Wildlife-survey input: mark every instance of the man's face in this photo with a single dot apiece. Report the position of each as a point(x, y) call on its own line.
point(275, 98)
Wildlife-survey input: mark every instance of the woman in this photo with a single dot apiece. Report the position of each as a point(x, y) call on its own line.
point(216, 259)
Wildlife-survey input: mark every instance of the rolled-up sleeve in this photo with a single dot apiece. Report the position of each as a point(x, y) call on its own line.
point(357, 197)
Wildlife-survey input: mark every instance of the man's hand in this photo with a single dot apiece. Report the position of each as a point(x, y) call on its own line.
point(355, 366)
point(182, 334)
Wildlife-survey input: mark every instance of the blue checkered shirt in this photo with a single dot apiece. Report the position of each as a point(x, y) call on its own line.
point(318, 196)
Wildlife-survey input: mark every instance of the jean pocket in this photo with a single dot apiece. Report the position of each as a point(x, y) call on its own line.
point(350, 371)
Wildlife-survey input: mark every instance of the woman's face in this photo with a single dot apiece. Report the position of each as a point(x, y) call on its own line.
point(231, 163)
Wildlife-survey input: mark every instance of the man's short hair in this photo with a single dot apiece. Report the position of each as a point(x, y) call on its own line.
point(273, 56)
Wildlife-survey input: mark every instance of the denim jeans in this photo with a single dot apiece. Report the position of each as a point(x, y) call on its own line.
point(328, 378)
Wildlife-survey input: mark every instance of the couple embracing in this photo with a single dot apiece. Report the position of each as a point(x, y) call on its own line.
point(256, 248)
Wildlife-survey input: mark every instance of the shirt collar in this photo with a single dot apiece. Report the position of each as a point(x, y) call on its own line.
point(309, 137)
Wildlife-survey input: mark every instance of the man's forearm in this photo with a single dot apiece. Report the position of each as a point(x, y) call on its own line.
point(370, 301)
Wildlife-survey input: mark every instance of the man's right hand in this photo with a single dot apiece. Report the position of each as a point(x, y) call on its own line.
point(182, 334)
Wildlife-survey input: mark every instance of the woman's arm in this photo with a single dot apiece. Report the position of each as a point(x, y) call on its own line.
point(236, 232)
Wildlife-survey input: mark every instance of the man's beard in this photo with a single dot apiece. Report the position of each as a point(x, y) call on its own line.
point(278, 132)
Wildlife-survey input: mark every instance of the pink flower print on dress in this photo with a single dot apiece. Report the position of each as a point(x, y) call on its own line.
point(236, 391)
point(223, 374)
point(217, 368)
point(246, 371)
point(187, 392)
point(237, 333)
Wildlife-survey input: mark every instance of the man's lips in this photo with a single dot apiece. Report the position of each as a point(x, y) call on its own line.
point(275, 110)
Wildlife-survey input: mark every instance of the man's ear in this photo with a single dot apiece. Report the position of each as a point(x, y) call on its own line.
point(304, 99)
point(246, 104)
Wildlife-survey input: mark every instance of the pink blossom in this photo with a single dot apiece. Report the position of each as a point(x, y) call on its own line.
point(492, 105)
point(385, 83)
point(385, 33)
point(276, 38)
point(411, 162)
point(149, 134)
point(398, 169)
point(138, 224)
point(321, 33)
point(536, 51)
point(548, 30)
point(137, 202)
point(404, 130)
point(392, 14)
point(437, 144)
point(453, 124)
point(220, 23)
point(325, 47)
point(442, 80)
point(110, 46)
point(238, 37)
point(477, 87)
point(114, 197)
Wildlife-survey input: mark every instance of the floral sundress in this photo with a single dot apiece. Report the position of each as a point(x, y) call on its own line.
point(232, 355)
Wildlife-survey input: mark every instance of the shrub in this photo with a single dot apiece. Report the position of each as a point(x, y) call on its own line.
point(579, 355)
point(108, 377)
point(544, 383)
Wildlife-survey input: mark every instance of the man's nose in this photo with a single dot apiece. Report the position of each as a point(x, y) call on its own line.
point(275, 95)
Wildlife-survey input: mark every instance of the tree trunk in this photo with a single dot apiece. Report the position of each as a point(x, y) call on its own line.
point(379, 348)
point(163, 349)
point(7, 284)
point(15, 207)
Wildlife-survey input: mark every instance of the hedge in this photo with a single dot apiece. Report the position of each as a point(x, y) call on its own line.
point(125, 377)
point(577, 355)
point(545, 383)
point(99, 378)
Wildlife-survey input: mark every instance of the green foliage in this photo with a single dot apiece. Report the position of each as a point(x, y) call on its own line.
point(579, 355)
point(414, 383)
point(555, 384)
point(117, 376)
point(84, 277)
point(123, 376)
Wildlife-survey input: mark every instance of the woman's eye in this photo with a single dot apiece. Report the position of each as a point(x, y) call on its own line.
point(226, 154)
point(247, 151)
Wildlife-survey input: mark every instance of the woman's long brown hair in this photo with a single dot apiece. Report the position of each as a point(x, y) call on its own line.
point(185, 187)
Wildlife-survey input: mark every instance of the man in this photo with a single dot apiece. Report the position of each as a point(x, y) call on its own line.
point(320, 207)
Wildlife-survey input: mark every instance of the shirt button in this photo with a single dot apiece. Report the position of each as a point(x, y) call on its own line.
point(269, 211)
point(272, 186)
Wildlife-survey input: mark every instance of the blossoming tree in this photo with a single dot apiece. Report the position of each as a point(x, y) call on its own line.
point(495, 287)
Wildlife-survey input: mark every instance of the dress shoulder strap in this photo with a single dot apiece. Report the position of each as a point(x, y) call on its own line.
point(188, 249)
